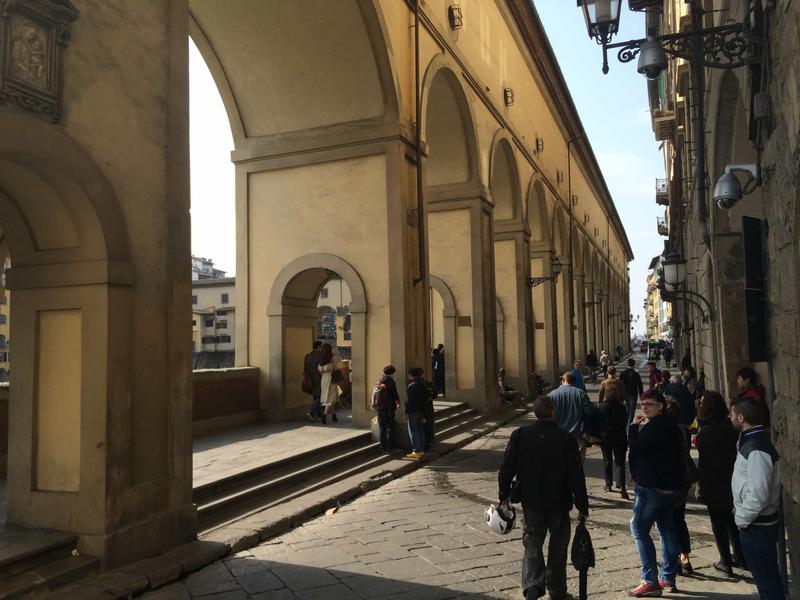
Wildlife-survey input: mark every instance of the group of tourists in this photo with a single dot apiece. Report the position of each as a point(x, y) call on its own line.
point(737, 474)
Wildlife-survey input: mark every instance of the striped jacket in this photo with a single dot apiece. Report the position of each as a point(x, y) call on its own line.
point(756, 482)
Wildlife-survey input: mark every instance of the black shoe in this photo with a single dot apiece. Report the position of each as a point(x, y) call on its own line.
point(311, 417)
point(624, 495)
point(324, 420)
point(334, 418)
point(723, 568)
point(607, 487)
point(685, 569)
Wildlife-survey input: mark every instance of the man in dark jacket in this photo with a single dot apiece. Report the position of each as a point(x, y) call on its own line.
point(416, 397)
point(386, 416)
point(633, 388)
point(591, 365)
point(314, 377)
point(549, 471)
point(657, 466)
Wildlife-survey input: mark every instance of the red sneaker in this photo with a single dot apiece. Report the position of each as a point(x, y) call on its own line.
point(645, 590)
point(667, 586)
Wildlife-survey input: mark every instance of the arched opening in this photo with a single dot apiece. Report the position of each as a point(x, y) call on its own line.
point(538, 224)
point(446, 135)
point(504, 182)
point(443, 329)
point(294, 323)
point(563, 317)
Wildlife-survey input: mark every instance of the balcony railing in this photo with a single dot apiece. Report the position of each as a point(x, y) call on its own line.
point(661, 223)
point(662, 192)
point(663, 124)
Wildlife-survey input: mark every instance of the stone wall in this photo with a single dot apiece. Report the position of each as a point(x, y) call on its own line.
point(781, 196)
point(223, 398)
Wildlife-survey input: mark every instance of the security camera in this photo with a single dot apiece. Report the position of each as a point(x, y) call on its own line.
point(728, 191)
point(652, 59)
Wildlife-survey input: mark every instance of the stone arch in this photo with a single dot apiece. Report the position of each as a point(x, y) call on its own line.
point(258, 50)
point(447, 127)
point(537, 211)
point(292, 314)
point(71, 280)
point(560, 234)
point(448, 331)
point(504, 180)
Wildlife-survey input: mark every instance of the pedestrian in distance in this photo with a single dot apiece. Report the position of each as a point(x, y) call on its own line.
point(756, 489)
point(605, 360)
point(546, 462)
point(747, 381)
point(430, 418)
point(686, 361)
point(437, 368)
point(576, 370)
point(416, 397)
point(716, 448)
point(591, 365)
point(313, 378)
point(614, 436)
point(330, 376)
point(668, 354)
point(569, 402)
point(385, 401)
point(654, 377)
point(689, 379)
point(633, 388)
point(657, 468)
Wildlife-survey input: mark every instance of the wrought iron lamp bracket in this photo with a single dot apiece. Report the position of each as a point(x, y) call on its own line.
point(536, 281)
point(724, 47)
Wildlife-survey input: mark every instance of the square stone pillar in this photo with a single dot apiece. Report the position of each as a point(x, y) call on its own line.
point(541, 267)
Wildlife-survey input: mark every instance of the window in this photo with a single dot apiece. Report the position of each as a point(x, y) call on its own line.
point(224, 339)
point(194, 322)
point(224, 299)
point(222, 313)
point(3, 357)
point(323, 293)
point(754, 288)
point(210, 339)
point(222, 324)
point(2, 319)
point(209, 321)
point(194, 299)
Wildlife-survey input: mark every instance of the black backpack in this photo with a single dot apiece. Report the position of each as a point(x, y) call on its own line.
point(379, 396)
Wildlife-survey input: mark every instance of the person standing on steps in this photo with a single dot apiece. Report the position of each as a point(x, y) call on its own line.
point(548, 468)
point(633, 388)
point(312, 375)
point(756, 489)
point(331, 375)
point(654, 378)
point(437, 367)
point(416, 397)
point(747, 380)
point(605, 360)
point(385, 404)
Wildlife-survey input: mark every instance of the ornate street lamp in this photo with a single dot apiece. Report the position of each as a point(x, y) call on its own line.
point(602, 18)
point(674, 271)
point(600, 297)
point(724, 47)
point(555, 269)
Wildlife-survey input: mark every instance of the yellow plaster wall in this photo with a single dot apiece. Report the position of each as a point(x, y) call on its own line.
point(505, 282)
point(339, 208)
point(450, 233)
point(437, 319)
point(58, 401)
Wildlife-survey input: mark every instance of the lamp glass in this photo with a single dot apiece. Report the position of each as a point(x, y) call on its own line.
point(674, 271)
point(556, 266)
point(602, 17)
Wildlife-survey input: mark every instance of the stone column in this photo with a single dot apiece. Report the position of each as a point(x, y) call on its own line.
point(580, 317)
point(511, 269)
point(591, 326)
point(461, 255)
point(545, 295)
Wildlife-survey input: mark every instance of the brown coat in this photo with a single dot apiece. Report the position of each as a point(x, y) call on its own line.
point(612, 387)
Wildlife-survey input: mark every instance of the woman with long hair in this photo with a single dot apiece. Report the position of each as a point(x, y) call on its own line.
point(716, 444)
point(329, 390)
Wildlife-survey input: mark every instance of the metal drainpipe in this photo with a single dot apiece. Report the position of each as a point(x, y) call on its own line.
point(418, 150)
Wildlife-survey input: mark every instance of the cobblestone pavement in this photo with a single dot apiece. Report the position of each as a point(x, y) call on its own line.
point(423, 537)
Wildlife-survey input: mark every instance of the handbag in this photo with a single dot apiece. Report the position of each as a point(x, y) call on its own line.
point(336, 376)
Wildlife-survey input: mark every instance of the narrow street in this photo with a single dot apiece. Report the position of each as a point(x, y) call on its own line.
point(423, 536)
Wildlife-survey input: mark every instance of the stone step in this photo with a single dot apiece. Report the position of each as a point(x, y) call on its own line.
point(46, 577)
point(23, 549)
point(268, 486)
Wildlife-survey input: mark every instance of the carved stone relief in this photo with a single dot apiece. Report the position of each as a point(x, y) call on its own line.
point(33, 36)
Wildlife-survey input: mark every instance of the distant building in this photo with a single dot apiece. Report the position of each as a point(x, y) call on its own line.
point(333, 325)
point(213, 314)
point(203, 268)
point(657, 312)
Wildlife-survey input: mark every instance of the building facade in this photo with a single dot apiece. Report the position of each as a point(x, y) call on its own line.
point(739, 304)
point(214, 314)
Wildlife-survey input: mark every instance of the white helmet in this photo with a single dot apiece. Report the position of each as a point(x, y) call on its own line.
point(501, 519)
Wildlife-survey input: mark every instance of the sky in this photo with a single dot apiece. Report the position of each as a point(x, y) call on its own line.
point(613, 108)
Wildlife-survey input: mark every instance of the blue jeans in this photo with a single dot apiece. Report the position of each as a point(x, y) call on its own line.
point(386, 425)
point(759, 545)
point(630, 407)
point(652, 506)
point(416, 431)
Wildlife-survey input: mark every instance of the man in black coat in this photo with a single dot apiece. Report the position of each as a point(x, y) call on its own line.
point(549, 470)
point(633, 388)
point(312, 375)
